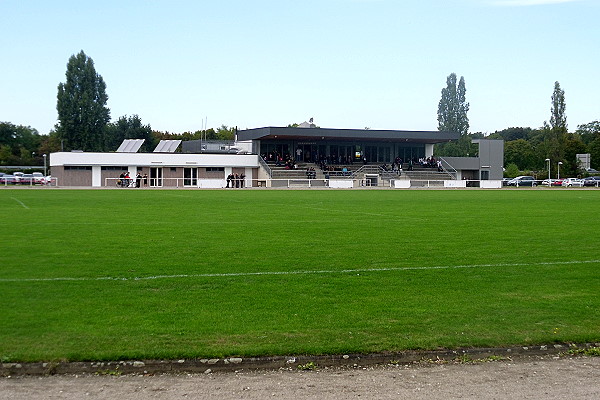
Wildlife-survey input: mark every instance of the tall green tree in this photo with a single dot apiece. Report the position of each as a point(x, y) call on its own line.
point(81, 105)
point(452, 117)
point(558, 119)
point(453, 107)
point(555, 133)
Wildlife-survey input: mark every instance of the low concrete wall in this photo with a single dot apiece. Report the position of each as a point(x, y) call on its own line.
point(401, 184)
point(455, 184)
point(493, 184)
point(341, 183)
point(211, 183)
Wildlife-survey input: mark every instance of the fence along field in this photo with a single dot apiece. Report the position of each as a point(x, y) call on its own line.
point(97, 275)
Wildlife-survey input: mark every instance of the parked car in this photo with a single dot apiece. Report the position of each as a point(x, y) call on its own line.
point(26, 179)
point(17, 176)
point(553, 182)
point(38, 178)
point(572, 182)
point(591, 181)
point(8, 179)
point(522, 181)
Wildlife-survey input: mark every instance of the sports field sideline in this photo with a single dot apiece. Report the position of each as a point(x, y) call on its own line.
point(96, 275)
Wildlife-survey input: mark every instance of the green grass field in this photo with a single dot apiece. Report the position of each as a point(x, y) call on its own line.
point(134, 274)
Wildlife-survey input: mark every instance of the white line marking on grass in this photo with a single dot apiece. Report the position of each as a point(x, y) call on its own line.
point(308, 272)
point(20, 202)
point(349, 211)
point(178, 223)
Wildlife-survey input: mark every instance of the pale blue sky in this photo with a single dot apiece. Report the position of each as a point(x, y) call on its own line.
point(347, 63)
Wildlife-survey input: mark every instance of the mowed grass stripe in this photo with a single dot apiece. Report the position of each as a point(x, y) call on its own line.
point(271, 238)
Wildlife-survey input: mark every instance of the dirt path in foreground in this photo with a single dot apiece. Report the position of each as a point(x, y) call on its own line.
point(544, 378)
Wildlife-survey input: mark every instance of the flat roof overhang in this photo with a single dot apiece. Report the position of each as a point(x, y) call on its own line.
point(349, 135)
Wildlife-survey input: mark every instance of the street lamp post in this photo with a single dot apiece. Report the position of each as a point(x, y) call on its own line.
point(549, 181)
point(45, 169)
point(558, 173)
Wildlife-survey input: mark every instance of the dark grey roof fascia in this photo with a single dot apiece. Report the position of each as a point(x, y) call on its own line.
point(358, 134)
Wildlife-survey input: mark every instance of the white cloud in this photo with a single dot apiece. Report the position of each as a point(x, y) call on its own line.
point(520, 3)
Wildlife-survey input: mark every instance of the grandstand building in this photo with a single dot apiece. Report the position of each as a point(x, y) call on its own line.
point(283, 156)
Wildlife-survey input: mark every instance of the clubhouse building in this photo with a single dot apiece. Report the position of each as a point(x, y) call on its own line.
point(281, 156)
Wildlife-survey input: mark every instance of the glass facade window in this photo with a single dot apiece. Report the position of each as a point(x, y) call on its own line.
point(190, 177)
point(337, 152)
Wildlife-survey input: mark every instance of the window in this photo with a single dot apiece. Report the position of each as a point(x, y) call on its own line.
point(113, 168)
point(215, 169)
point(190, 176)
point(77, 168)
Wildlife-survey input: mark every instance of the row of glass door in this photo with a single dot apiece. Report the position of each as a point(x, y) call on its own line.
point(190, 176)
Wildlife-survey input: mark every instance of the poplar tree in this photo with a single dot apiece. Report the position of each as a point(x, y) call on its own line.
point(558, 119)
point(452, 117)
point(81, 105)
point(453, 107)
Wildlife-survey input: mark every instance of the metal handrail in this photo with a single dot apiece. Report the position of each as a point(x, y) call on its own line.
point(453, 174)
point(264, 164)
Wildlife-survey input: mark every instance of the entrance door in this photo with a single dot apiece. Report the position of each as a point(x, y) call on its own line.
point(190, 177)
point(156, 176)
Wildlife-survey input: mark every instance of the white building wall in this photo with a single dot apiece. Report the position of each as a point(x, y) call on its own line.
point(248, 178)
point(133, 160)
point(96, 176)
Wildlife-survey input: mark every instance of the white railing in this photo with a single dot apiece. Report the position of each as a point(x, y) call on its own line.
point(174, 183)
point(334, 182)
